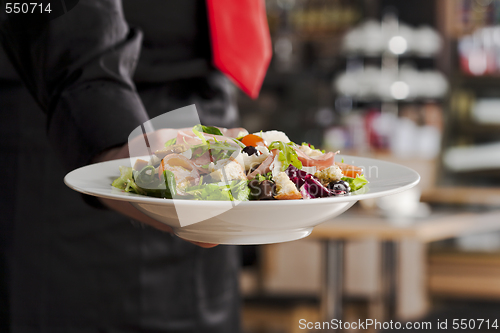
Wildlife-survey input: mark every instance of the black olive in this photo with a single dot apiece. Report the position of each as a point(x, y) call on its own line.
point(268, 190)
point(343, 182)
point(336, 192)
point(251, 150)
point(265, 190)
point(340, 185)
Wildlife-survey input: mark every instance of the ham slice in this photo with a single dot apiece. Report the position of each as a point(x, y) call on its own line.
point(320, 162)
point(200, 161)
point(188, 137)
point(326, 160)
point(265, 166)
point(184, 171)
point(233, 132)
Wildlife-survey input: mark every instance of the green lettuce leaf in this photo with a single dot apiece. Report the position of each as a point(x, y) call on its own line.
point(199, 135)
point(267, 176)
point(171, 187)
point(218, 150)
point(146, 176)
point(356, 183)
point(260, 178)
point(235, 190)
point(126, 181)
point(207, 129)
point(155, 187)
point(287, 154)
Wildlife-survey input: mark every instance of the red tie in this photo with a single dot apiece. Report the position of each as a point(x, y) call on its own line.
point(241, 44)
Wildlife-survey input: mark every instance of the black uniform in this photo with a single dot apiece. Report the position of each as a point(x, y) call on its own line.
point(67, 267)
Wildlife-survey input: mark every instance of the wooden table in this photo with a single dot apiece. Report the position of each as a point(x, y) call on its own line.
point(358, 224)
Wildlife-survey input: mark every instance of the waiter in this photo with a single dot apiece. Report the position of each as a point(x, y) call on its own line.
point(97, 72)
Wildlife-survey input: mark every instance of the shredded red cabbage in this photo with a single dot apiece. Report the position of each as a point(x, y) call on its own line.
point(304, 190)
point(310, 186)
point(307, 183)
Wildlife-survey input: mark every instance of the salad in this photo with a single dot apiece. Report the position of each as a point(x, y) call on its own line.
point(210, 163)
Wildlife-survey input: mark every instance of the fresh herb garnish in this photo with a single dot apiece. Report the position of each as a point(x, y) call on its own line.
point(239, 143)
point(287, 154)
point(156, 188)
point(267, 176)
point(207, 129)
point(199, 135)
point(312, 146)
point(126, 181)
point(308, 144)
point(171, 142)
point(170, 183)
point(217, 150)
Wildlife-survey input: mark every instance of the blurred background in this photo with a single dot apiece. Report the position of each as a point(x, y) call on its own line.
point(416, 82)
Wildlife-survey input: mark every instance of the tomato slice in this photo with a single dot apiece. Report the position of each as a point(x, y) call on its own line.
point(253, 140)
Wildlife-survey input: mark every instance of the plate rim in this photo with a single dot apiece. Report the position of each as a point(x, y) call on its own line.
point(136, 198)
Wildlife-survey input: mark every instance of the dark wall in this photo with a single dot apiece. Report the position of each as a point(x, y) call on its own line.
point(413, 12)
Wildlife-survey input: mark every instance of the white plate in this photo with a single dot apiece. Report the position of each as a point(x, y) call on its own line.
point(250, 222)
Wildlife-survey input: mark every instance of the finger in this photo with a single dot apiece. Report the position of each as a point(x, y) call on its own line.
point(203, 245)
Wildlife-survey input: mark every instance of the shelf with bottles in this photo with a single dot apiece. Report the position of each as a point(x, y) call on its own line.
point(477, 83)
point(479, 132)
point(307, 33)
point(473, 111)
point(374, 39)
point(312, 18)
point(463, 17)
point(472, 32)
point(403, 84)
point(468, 161)
point(405, 131)
point(383, 101)
point(479, 53)
point(471, 147)
point(381, 62)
